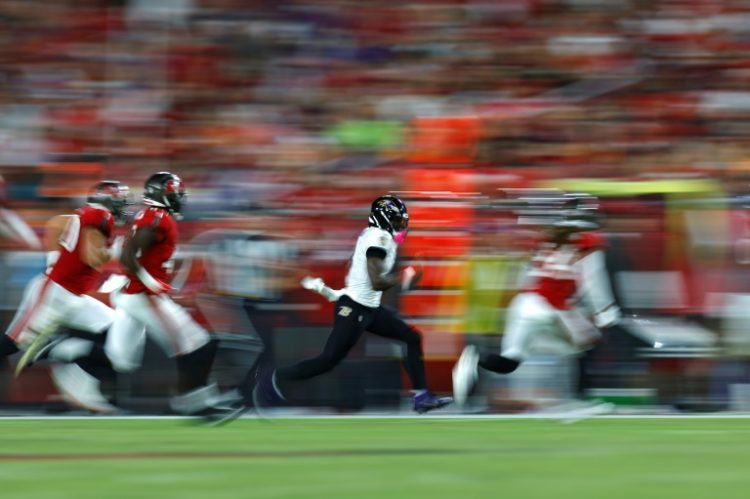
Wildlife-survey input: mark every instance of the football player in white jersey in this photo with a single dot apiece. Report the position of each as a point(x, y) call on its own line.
point(567, 268)
point(358, 309)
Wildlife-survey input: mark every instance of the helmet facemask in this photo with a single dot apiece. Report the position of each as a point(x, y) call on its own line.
point(115, 197)
point(167, 191)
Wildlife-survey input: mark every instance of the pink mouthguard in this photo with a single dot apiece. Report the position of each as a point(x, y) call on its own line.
point(399, 237)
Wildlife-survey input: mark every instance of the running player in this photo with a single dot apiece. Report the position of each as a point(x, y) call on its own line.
point(78, 245)
point(567, 266)
point(358, 309)
point(144, 305)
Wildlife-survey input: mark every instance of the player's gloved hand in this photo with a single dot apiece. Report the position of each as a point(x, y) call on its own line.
point(410, 276)
point(312, 283)
point(317, 285)
point(608, 317)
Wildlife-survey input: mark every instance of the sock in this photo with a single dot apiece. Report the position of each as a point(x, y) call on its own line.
point(96, 363)
point(193, 368)
point(7, 347)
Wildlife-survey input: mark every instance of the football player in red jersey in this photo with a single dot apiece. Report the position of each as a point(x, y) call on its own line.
point(144, 304)
point(567, 265)
point(78, 245)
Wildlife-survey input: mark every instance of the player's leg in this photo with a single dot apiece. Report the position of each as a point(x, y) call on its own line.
point(62, 348)
point(40, 321)
point(350, 319)
point(262, 322)
point(576, 329)
point(28, 300)
point(34, 296)
point(525, 314)
point(59, 349)
point(77, 362)
point(184, 339)
point(125, 341)
point(90, 315)
point(33, 332)
point(387, 323)
point(528, 315)
point(87, 315)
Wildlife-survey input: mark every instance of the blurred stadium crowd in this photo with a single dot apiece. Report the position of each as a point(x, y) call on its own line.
point(287, 118)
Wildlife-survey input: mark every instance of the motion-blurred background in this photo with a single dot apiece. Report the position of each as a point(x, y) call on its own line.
point(287, 118)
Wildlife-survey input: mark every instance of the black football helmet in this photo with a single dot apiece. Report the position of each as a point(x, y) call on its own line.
point(165, 190)
point(389, 213)
point(114, 196)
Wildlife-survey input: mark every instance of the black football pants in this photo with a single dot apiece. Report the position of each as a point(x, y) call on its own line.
point(351, 320)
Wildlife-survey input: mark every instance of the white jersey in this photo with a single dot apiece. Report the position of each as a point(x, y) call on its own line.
point(358, 285)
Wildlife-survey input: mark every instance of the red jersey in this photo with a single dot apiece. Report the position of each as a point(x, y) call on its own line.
point(154, 260)
point(70, 271)
point(553, 271)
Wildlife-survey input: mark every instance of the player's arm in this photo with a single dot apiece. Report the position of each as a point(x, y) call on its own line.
point(381, 280)
point(95, 250)
point(376, 270)
point(54, 230)
point(143, 238)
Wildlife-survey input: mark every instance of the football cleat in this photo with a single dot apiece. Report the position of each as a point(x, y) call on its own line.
point(219, 415)
point(32, 350)
point(465, 374)
point(44, 352)
point(425, 401)
point(79, 388)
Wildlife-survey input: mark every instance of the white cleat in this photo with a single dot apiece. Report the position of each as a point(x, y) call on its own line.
point(465, 375)
point(79, 388)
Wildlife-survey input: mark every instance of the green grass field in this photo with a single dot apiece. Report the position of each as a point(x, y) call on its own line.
point(376, 458)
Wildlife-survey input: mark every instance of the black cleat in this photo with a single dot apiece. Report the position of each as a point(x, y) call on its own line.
point(426, 402)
